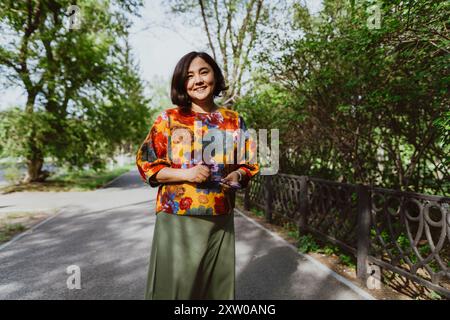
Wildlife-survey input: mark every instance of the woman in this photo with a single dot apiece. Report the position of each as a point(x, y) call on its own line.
point(193, 249)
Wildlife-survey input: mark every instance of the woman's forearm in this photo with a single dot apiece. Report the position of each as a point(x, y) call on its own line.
point(168, 175)
point(194, 174)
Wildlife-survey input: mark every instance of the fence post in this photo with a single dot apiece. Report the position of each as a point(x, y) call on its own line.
point(268, 197)
point(247, 197)
point(303, 205)
point(363, 231)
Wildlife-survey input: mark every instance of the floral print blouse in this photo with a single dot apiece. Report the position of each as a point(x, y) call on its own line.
point(165, 146)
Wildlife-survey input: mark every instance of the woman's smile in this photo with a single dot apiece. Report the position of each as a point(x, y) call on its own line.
point(200, 89)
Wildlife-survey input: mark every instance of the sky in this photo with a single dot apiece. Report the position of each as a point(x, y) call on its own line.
point(158, 43)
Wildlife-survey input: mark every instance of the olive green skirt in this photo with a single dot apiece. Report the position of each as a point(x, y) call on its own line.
point(192, 257)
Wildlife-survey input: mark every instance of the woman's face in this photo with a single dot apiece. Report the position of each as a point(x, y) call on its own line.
point(200, 80)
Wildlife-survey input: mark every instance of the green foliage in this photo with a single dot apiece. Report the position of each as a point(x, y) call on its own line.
point(329, 250)
point(292, 230)
point(257, 212)
point(366, 105)
point(20, 131)
point(406, 247)
point(443, 124)
point(347, 260)
point(294, 234)
point(12, 174)
point(307, 244)
point(84, 96)
point(89, 179)
point(435, 296)
point(8, 230)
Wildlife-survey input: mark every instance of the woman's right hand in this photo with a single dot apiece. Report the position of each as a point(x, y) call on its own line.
point(198, 173)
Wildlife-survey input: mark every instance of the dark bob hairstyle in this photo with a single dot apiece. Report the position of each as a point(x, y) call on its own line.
point(178, 92)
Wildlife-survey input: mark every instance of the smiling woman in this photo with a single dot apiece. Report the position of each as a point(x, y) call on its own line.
point(196, 81)
point(193, 249)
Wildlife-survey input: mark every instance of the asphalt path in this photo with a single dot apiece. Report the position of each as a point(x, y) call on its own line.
point(106, 234)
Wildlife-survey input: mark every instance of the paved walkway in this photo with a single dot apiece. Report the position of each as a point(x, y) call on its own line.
point(108, 232)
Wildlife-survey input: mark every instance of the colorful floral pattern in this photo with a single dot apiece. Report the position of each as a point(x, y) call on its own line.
point(158, 150)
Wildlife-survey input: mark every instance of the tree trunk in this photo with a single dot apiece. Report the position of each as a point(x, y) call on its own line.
point(34, 164)
point(35, 172)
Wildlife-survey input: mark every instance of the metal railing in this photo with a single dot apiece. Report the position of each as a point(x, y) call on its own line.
point(404, 232)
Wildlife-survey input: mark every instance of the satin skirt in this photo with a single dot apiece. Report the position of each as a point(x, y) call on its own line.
point(192, 258)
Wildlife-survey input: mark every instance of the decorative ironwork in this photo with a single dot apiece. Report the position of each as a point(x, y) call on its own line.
point(405, 232)
point(333, 210)
point(411, 232)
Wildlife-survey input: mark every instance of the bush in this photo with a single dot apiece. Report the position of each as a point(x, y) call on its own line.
point(307, 244)
point(13, 175)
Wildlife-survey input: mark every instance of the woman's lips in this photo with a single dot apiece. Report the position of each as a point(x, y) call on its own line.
point(200, 89)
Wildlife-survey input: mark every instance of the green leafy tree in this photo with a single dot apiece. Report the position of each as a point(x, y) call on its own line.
point(84, 98)
point(371, 102)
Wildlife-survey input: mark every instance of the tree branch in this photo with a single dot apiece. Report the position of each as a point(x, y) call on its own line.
point(205, 22)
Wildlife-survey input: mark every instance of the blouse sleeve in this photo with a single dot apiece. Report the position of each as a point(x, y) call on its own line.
point(152, 155)
point(250, 166)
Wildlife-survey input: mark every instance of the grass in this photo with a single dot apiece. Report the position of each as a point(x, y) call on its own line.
point(9, 230)
point(71, 181)
point(257, 212)
point(14, 223)
point(307, 243)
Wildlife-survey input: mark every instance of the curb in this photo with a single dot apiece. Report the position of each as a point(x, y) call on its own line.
point(20, 235)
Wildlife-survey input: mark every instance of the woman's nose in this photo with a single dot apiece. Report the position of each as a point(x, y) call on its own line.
point(198, 79)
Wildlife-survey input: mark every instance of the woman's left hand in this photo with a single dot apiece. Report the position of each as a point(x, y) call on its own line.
point(231, 177)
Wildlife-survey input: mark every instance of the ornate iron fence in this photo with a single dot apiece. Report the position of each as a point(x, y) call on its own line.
point(404, 232)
